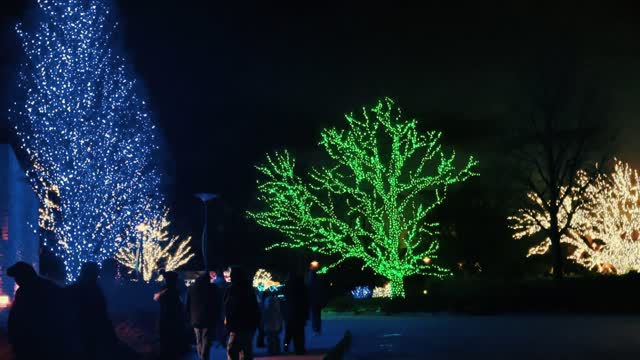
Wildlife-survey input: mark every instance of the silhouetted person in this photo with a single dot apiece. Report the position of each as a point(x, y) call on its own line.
point(35, 326)
point(57, 272)
point(96, 331)
point(261, 297)
point(203, 304)
point(221, 286)
point(109, 283)
point(296, 314)
point(171, 323)
point(242, 315)
point(272, 321)
point(318, 299)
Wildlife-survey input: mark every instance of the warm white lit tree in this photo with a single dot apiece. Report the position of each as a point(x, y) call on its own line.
point(604, 234)
point(535, 219)
point(155, 249)
point(610, 223)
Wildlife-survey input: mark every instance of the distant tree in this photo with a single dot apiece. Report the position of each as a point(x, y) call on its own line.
point(605, 232)
point(372, 203)
point(562, 123)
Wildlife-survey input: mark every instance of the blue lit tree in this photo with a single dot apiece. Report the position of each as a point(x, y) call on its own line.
point(87, 133)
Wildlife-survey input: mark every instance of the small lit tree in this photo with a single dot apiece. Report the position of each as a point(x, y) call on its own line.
point(372, 203)
point(155, 249)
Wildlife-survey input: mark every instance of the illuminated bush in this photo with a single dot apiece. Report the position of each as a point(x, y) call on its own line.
point(361, 292)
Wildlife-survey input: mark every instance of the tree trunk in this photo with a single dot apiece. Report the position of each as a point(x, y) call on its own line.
point(397, 286)
point(558, 259)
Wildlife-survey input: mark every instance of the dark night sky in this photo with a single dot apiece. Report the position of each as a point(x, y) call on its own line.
point(230, 81)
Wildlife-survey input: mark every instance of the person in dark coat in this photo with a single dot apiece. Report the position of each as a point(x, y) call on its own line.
point(318, 299)
point(221, 287)
point(260, 296)
point(204, 305)
point(242, 315)
point(99, 339)
point(37, 316)
point(296, 314)
point(109, 282)
point(272, 321)
point(171, 322)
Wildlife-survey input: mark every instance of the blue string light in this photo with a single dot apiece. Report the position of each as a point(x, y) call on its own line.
point(87, 133)
point(361, 292)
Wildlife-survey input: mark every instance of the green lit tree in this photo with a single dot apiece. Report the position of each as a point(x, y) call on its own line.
point(373, 202)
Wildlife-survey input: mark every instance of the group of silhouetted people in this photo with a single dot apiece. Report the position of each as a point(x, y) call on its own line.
point(299, 301)
point(54, 322)
point(232, 313)
point(47, 320)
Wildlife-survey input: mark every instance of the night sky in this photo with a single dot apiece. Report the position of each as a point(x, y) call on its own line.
point(229, 82)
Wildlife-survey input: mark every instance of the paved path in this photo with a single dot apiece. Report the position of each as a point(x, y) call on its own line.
point(317, 346)
point(426, 336)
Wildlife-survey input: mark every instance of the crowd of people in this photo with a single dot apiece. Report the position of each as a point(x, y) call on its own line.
point(233, 314)
point(73, 322)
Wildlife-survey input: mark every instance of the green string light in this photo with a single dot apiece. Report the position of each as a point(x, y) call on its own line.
point(373, 202)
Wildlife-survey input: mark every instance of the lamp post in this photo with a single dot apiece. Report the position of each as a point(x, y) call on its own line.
point(144, 232)
point(205, 197)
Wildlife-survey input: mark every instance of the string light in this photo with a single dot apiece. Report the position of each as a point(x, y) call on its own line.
point(262, 280)
point(87, 133)
point(373, 203)
point(382, 291)
point(361, 292)
point(155, 250)
point(604, 233)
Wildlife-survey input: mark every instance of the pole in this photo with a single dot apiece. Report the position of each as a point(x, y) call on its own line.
point(205, 253)
point(139, 264)
point(205, 197)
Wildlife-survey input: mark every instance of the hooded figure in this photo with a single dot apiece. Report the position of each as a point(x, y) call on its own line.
point(37, 317)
